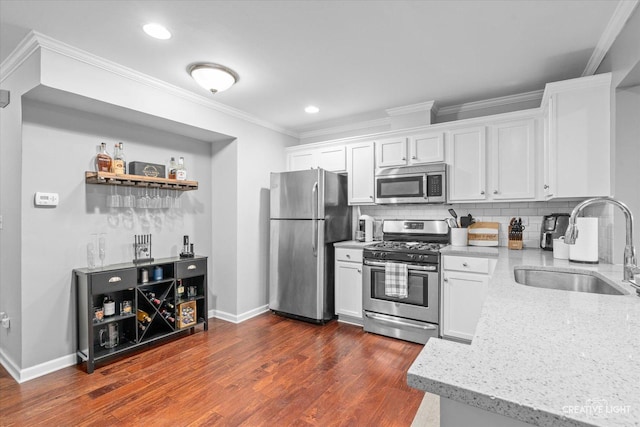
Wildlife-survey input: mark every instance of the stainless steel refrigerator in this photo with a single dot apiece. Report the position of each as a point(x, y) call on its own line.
point(309, 212)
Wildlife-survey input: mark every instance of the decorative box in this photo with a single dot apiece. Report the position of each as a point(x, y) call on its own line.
point(186, 314)
point(147, 169)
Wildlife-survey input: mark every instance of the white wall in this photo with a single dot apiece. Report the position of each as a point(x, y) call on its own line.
point(627, 171)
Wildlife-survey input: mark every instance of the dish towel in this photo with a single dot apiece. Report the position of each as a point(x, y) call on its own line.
point(396, 280)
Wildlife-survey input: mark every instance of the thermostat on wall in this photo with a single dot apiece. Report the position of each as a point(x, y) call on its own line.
point(46, 199)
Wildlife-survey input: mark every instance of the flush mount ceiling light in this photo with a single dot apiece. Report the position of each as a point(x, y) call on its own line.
point(213, 77)
point(311, 109)
point(157, 31)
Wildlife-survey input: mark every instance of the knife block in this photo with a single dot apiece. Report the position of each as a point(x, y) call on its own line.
point(515, 239)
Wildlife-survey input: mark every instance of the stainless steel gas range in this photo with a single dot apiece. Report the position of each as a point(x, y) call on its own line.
point(413, 246)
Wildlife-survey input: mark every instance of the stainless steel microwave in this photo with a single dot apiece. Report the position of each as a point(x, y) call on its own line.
point(412, 184)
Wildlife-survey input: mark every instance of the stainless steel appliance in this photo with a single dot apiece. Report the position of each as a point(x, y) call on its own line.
point(309, 212)
point(553, 227)
point(412, 184)
point(416, 244)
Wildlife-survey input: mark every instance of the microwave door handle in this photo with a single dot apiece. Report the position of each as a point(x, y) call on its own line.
point(314, 218)
point(424, 187)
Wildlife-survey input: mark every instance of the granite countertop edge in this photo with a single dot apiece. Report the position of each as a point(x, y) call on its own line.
point(531, 346)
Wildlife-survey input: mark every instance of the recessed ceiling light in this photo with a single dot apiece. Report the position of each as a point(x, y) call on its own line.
point(311, 109)
point(157, 31)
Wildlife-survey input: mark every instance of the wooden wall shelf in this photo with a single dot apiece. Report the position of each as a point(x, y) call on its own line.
point(109, 178)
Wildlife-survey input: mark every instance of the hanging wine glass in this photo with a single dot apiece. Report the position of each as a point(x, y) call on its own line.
point(102, 248)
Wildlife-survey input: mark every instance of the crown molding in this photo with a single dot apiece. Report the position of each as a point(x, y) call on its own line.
point(621, 14)
point(385, 121)
point(35, 40)
point(535, 95)
point(413, 108)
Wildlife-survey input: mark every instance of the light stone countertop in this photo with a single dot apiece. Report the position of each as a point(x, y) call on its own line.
point(543, 356)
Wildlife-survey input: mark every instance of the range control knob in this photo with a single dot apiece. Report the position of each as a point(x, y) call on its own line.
point(411, 256)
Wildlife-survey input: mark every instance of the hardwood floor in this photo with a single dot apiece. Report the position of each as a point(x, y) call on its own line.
point(268, 370)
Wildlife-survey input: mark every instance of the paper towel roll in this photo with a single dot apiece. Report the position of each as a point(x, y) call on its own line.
point(586, 247)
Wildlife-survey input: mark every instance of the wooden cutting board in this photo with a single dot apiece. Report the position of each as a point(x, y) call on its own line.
point(484, 234)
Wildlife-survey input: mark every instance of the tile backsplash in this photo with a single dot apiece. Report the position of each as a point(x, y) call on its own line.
point(530, 212)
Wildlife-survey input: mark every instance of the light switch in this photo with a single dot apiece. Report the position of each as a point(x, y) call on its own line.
point(46, 199)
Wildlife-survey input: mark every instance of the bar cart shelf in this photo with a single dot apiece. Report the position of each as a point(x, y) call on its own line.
point(108, 178)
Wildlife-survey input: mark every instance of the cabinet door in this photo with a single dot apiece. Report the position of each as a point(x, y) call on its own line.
point(463, 296)
point(349, 289)
point(426, 148)
point(549, 155)
point(391, 152)
point(332, 159)
point(301, 160)
point(360, 167)
point(513, 160)
point(468, 156)
point(580, 138)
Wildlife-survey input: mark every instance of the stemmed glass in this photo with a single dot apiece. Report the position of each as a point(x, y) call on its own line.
point(91, 252)
point(113, 201)
point(177, 203)
point(168, 200)
point(157, 201)
point(102, 247)
point(129, 199)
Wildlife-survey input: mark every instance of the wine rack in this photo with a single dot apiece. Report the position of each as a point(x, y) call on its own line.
point(138, 313)
point(108, 178)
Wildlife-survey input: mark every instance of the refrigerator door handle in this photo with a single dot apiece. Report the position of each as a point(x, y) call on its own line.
point(314, 217)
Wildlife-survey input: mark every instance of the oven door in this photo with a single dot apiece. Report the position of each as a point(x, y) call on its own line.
point(409, 188)
point(423, 294)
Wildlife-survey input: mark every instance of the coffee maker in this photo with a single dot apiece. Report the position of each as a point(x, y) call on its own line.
point(553, 227)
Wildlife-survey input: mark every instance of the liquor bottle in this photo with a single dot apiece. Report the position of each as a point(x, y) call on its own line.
point(119, 165)
point(181, 171)
point(103, 159)
point(180, 289)
point(143, 317)
point(173, 167)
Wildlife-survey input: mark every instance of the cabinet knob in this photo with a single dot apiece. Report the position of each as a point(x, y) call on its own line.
point(464, 264)
point(413, 157)
point(495, 191)
point(371, 197)
point(404, 158)
point(348, 256)
point(359, 271)
point(546, 187)
point(445, 280)
point(482, 192)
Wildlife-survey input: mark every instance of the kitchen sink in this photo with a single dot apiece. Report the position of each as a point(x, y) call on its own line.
point(566, 280)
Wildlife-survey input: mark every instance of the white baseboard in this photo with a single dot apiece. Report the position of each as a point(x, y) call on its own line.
point(22, 375)
point(10, 366)
point(238, 318)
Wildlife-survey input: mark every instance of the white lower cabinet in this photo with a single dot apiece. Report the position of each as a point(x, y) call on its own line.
point(348, 285)
point(465, 282)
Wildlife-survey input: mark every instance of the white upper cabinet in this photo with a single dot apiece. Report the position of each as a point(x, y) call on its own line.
point(467, 171)
point(426, 148)
point(577, 137)
point(512, 160)
point(412, 150)
point(391, 152)
point(360, 168)
point(331, 158)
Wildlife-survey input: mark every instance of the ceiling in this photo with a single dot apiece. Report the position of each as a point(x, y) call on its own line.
point(349, 58)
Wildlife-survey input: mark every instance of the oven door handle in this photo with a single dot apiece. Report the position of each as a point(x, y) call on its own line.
point(399, 322)
point(409, 266)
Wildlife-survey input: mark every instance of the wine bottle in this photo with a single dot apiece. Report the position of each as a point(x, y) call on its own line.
point(143, 317)
point(103, 159)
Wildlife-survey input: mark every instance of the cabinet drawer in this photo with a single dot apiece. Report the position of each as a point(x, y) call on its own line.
point(472, 265)
point(191, 268)
point(349, 255)
point(111, 281)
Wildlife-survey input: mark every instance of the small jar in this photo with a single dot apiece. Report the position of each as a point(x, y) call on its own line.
point(144, 275)
point(157, 273)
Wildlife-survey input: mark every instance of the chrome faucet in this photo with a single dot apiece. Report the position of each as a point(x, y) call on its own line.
point(630, 261)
